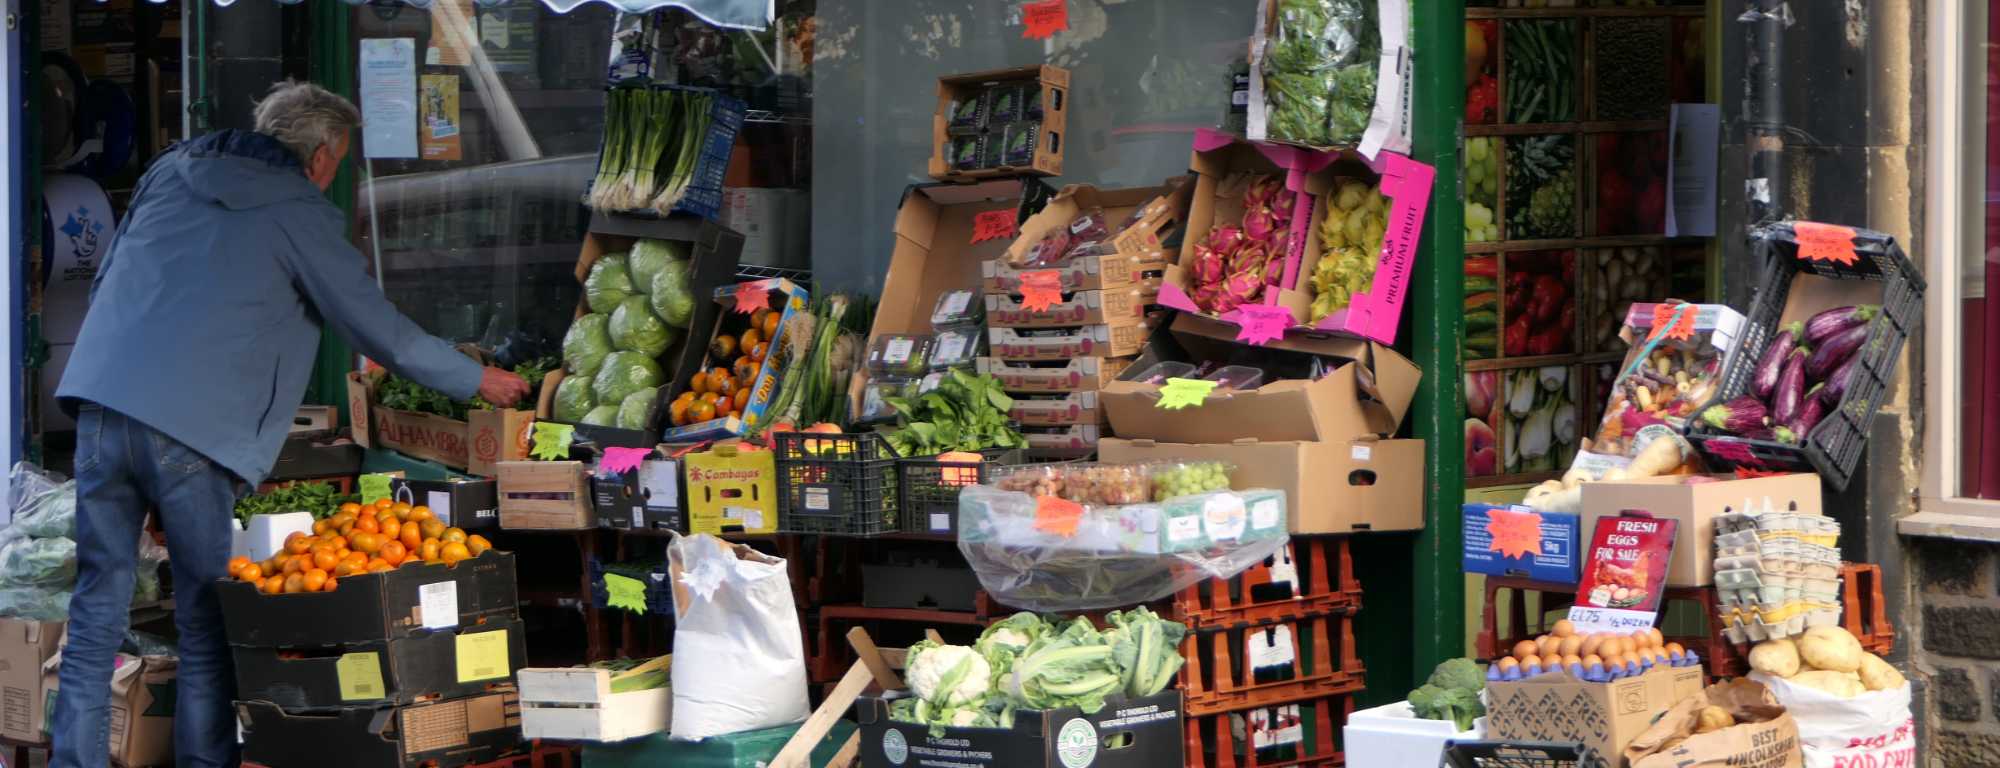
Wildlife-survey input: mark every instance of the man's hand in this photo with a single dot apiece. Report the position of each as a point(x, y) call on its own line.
point(501, 387)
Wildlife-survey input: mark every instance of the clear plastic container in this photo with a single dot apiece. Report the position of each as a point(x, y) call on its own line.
point(900, 354)
point(1088, 249)
point(1051, 250)
point(957, 347)
point(956, 308)
point(1019, 147)
point(968, 114)
point(1160, 372)
point(1090, 225)
point(1032, 479)
point(1004, 105)
point(1107, 484)
point(1187, 478)
point(969, 153)
point(875, 396)
point(1236, 377)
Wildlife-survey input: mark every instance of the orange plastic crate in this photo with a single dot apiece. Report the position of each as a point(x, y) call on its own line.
point(1225, 740)
point(1323, 581)
point(1222, 674)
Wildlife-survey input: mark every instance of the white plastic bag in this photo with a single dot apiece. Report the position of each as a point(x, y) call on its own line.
point(1874, 728)
point(739, 658)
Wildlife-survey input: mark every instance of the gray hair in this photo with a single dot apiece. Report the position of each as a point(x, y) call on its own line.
point(304, 117)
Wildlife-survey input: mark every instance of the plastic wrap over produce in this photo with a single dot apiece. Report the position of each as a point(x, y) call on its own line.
point(1044, 553)
point(1330, 73)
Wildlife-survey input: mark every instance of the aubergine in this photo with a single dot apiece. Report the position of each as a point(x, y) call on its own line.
point(1773, 362)
point(1791, 387)
point(1744, 415)
point(1832, 322)
point(1835, 351)
point(1836, 382)
point(1812, 408)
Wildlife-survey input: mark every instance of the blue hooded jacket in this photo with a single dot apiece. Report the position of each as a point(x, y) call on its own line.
point(205, 317)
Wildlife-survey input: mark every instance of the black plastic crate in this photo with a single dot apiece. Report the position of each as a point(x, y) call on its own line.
point(836, 483)
point(930, 488)
point(652, 573)
point(1501, 754)
point(1834, 446)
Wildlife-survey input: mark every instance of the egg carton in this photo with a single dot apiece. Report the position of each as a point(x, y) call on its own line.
point(1737, 543)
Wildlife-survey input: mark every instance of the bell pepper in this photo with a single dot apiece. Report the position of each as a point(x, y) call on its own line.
point(1482, 266)
point(1515, 340)
point(1549, 296)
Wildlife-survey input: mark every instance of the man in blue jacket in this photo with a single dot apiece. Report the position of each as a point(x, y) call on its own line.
point(203, 327)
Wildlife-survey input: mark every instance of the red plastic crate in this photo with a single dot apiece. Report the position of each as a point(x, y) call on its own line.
point(1222, 663)
point(1862, 610)
point(1324, 584)
point(1224, 740)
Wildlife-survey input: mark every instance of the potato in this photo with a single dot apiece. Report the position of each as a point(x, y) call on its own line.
point(1841, 684)
point(1778, 657)
point(1713, 718)
point(1878, 675)
point(1830, 648)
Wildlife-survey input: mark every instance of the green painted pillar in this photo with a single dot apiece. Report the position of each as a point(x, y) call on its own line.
point(331, 62)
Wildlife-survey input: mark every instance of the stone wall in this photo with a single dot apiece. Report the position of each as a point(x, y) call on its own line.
point(1958, 649)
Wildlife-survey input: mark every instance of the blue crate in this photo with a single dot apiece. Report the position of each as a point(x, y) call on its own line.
point(704, 193)
point(1560, 559)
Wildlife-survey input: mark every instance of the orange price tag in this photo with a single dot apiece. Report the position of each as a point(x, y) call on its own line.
point(751, 297)
point(1054, 514)
point(1824, 242)
point(1040, 289)
point(1040, 20)
point(992, 225)
point(1673, 321)
point(1516, 533)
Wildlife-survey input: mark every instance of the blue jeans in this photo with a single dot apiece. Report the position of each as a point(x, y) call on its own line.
point(123, 468)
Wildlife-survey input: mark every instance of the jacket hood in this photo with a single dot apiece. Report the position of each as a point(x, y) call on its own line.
point(240, 170)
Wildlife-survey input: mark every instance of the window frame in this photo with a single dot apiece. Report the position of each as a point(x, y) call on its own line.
point(1955, 203)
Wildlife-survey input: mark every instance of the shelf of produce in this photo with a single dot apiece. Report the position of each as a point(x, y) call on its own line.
point(1601, 126)
point(1717, 655)
point(1214, 741)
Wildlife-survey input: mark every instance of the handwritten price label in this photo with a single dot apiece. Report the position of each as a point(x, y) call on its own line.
point(1041, 20)
point(1824, 242)
point(617, 461)
point(552, 441)
point(1181, 393)
point(1054, 514)
point(1260, 324)
point(751, 297)
point(1673, 321)
point(993, 225)
point(1040, 289)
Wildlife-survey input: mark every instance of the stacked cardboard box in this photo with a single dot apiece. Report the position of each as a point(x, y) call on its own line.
point(413, 666)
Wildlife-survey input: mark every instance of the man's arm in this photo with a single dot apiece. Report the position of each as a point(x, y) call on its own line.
point(329, 272)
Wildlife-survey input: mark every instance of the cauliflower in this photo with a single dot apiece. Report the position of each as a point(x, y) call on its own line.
point(1009, 637)
point(948, 675)
point(965, 718)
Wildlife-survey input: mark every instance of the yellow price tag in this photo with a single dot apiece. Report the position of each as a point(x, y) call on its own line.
point(360, 676)
point(482, 656)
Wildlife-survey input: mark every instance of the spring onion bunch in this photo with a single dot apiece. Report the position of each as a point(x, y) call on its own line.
point(652, 142)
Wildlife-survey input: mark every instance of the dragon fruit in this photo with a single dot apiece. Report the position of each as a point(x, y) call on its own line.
point(1246, 286)
point(1249, 258)
point(1282, 205)
point(1208, 266)
point(1274, 270)
point(1259, 224)
point(1262, 190)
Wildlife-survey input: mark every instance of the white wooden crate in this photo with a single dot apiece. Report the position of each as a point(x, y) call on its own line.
point(576, 703)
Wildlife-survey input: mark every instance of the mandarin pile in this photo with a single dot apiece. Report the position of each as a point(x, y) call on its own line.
point(359, 539)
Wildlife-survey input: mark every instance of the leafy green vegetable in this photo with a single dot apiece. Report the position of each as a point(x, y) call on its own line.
point(634, 328)
point(671, 296)
point(586, 344)
point(320, 499)
point(649, 257)
point(1146, 649)
point(1070, 667)
point(1319, 69)
point(392, 391)
point(602, 416)
point(624, 373)
point(574, 399)
point(608, 283)
point(967, 412)
point(637, 409)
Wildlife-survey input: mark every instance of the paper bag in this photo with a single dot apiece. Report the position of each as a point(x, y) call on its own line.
point(1765, 735)
point(737, 634)
point(1874, 728)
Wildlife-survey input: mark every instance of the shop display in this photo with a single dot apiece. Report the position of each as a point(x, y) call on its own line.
point(1734, 723)
point(966, 412)
point(1351, 234)
point(1777, 573)
point(999, 123)
point(664, 150)
point(1317, 65)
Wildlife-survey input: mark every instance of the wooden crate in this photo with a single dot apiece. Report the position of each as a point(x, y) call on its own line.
point(545, 495)
point(576, 703)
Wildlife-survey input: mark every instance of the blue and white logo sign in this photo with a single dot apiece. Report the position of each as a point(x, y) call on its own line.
point(1076, 743)
point(894, 747)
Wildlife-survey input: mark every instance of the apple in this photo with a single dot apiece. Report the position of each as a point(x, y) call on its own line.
point(1480, 457)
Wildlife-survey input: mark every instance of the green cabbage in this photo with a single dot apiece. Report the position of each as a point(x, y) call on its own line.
point(601, 416)
point(637, 409)
point(650, 256)
point(574, 398)
point(586, 344)
point(608, 283)
point(634, 328)
point(624, 373)
point(672, 297)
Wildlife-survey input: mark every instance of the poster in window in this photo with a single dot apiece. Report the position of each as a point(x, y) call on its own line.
point(451, 32)
point(388, 86)
point(439, 103)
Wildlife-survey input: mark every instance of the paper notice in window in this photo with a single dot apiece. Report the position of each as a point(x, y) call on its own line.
point(389, 97)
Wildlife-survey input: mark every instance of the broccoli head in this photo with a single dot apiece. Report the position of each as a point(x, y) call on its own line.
point(1458, 674)
point(1457, 705)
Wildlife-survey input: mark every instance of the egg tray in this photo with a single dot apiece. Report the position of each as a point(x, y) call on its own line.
point(1819, 529)
point(1753, 628)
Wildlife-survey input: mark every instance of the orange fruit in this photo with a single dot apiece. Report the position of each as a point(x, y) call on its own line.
point(314, 580)
point(250, 572)
point(343, 519)
point(726, 387)
point(392, 552)
point(419, 512)
point(454, 552)
point(413, 537)
point(742, 399)
point(770, 325)
point(273, 564)
point(272, 585)
point(392, 528)
point(401, 507)
point(453, 534)
point(350, 508)
point(347, 567)
point(750, 339)
point(429, 551)
point(325, 559)
point(298, 543)
point(722, 347)
point(320, 527)
point(369, 543)
point(378, 565)
point(295, 583)
point(699, 384)
point(688, 395)
point(715, 376)
point(368, 525)
point(700, 411)
point(359, 559)
point(293, 565)
point(339, 543)
point(236, 563)
point(759, 352)
point(477, 544)
point(678, 411)
point(331, 582)
point(432, 528)
point(384, 504)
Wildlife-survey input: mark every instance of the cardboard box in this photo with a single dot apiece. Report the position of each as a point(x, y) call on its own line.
point(1604, 717)
point(315, 418)
point(1030, 345)
point(935, 254)
point(1121, 306)
point(1366, 396)
point(1154, 215)
point(1335, 486)
point(472, 505)
point(1071, 442)
point(1103, 271)
point(142, 707)
point(1765, 736)
point(316, 455)
point(1057, 410)
point(1140, 733)
point(1558, 556)
point(476, 445)
point(732, 491)
point(445, 664)
point(647, 498)
point(24, 647)
point(410, 600)
point(457, 732)
point(576, 703)
point(545, 495)
point(1696, 506)
point(1047, 160)
point(1082, 374)
point(781, 295)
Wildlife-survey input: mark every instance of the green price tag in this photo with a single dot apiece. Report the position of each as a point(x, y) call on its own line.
point(626, 592)
point(374, 487)
point(552, 441)
point(1181, 393)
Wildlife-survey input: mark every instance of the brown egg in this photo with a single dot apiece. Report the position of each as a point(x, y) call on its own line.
point(1572, 660)
point(1508, 662)
point(1592, 644)
point(1572, 645)
point(1547, 644)
point(1563, 628)
point(1525, 649)
point(1551, 661)
point(1675, 649)
point(1659, 639)
point(1592, 660)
